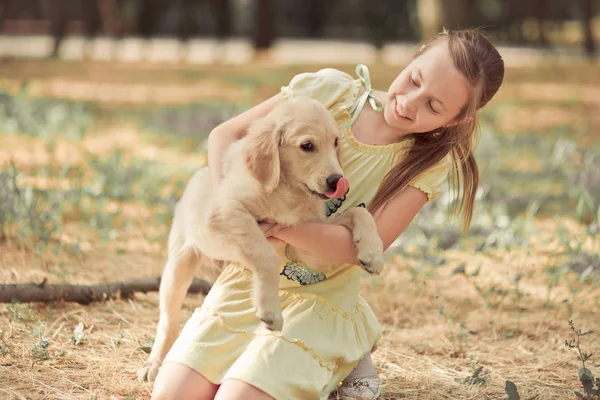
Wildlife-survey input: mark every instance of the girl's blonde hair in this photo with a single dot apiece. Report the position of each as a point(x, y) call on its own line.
point(479, 62)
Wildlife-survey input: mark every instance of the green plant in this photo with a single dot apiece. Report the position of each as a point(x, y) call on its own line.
point(585, 375)
point(40, 348)
point(43, 117)
point(456, 327)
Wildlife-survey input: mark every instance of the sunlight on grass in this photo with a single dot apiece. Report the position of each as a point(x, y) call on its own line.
point(87, 190)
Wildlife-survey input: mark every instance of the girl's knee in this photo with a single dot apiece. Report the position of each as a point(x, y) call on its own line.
point(233, 389)
point(176, 381)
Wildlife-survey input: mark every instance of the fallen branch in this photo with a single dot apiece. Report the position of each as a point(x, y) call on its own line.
point(85, 294)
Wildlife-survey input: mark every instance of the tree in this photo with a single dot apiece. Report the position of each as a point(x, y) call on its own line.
point(58, 22)
point(458, 13)
point(385, 18)
point(263, 29)
point(148, 16)
point(222, 9)
point(588, 15)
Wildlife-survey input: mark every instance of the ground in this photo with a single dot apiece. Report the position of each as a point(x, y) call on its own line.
point(94, 155)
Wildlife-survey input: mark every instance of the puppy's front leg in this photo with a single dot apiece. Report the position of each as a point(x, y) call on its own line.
point(265, 281)
point(369, 246)
point(243, 240)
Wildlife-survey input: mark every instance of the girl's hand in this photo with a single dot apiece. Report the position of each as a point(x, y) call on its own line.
point(270, 229)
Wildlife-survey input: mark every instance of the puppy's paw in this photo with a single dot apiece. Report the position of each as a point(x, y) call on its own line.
point(148, 371)
point(273, 321)
point(374, 267)
point(370, 255)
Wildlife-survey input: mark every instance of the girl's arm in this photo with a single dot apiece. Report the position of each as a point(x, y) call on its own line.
point(228, 132)
point(334, 242)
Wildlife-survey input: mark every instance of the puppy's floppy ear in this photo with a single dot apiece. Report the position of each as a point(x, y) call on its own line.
point(262, 152)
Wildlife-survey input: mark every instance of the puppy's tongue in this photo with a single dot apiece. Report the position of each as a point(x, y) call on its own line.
point(340, 190)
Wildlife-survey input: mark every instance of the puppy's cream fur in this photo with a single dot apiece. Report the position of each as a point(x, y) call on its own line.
point(268, 175)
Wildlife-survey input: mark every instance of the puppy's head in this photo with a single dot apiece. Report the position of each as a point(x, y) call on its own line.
point(297, 142)
point(309, 154)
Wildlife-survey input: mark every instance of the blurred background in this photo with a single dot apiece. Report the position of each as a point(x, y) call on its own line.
point(61, 27)
point(105, 107)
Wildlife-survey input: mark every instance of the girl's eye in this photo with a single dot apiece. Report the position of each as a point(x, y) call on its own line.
point(307, 146)
point(431, 107)
point(413, 81)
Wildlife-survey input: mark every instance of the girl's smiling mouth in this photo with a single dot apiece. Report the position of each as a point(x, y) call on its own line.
point(399, 115)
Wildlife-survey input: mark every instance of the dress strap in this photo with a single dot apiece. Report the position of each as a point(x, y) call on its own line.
point(365, 78)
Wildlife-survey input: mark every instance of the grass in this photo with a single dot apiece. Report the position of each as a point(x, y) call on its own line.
point(89, 177)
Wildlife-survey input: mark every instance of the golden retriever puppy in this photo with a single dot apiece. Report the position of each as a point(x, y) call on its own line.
point(283, 170)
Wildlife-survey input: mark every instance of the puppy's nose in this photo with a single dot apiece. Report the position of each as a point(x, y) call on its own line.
point(332, 181)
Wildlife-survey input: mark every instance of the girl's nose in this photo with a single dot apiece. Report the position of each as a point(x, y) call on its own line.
point(410, 101)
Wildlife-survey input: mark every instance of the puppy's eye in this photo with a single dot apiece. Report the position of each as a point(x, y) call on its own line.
point(335, 144)
point(307, 146)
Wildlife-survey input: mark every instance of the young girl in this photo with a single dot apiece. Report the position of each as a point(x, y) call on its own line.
point(398, 148)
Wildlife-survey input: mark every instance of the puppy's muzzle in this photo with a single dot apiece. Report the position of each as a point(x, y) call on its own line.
point(337, 186)
point(332, 181)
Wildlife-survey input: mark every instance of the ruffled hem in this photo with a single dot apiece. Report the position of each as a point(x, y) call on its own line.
point(323, 338)
point(330, 366)
point(430, 195)
point(232, 308)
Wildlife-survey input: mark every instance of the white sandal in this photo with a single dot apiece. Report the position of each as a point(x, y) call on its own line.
point(367, 388)
point(361, 384)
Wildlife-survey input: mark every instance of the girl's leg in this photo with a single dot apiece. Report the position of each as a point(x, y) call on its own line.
point(233, 389)
point(177, 381)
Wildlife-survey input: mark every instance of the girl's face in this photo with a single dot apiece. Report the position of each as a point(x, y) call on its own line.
point(428, 94)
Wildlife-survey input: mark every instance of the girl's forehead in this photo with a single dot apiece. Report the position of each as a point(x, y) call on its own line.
point(437, 55)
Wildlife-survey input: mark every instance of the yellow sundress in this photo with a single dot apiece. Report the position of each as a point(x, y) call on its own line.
point(328, 326)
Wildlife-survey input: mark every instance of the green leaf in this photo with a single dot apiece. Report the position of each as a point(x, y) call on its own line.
point(474, 379)
point(586, 375)
point(579, 208)
point(147, 347)
point(587, 380)
point(511, 391)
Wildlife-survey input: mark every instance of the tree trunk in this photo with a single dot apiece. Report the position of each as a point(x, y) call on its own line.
point(382, 19)
point(85, 294)
point(58, 23)
point(457, 13)
point(109, 17)
point(187, 26)
point(148, 14)
point(588, 14)
point(316, 15)
point(263, 29)
point(91, 16)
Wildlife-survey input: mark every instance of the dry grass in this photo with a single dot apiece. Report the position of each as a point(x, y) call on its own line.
point(424, 354)
point(438, 327)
